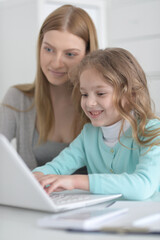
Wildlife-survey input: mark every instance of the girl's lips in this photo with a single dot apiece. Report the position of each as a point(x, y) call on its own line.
point(95, 114)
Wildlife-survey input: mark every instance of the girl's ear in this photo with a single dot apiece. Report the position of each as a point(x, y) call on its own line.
point(124, 90)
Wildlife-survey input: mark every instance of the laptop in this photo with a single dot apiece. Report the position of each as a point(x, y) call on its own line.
point(19, 187)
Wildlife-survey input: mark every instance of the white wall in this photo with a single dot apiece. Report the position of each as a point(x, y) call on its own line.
point(20, 21)
point(132, 24)
point(135, 25)
point(17, 43)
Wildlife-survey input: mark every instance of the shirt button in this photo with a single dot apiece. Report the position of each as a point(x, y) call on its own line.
point(112, 150)
point(111, 170)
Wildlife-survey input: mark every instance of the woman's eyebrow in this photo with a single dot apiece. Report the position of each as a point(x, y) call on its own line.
point(69, 49)
point(48, 44)
point(73, 49)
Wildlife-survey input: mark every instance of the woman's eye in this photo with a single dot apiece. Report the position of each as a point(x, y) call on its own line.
point(48, 49)
point(70, 54)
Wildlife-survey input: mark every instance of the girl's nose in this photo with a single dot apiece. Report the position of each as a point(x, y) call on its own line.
point(91, 101)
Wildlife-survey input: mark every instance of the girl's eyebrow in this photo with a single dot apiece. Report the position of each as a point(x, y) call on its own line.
point(100, 86)
point(81, 89)
point(69, 49)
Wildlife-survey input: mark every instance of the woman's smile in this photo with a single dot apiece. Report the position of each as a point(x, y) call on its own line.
point(57, 56)
point(57, 73)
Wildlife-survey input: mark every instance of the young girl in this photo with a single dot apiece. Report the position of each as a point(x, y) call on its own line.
point(121, 145)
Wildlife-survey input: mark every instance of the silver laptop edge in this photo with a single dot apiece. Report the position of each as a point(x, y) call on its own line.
point(19, 187)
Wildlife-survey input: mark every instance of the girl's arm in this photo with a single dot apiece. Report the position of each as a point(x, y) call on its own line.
point(55, 175)
point(139, 185)
point(56, 183)
point(68, 161)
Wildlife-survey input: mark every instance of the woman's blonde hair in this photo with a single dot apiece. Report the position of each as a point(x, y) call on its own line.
point(66, 18)
point(122, 71)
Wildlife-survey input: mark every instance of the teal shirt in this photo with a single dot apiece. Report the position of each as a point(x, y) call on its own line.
point(127, 170)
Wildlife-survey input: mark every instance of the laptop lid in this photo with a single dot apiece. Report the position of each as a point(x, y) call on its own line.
point(19, 187)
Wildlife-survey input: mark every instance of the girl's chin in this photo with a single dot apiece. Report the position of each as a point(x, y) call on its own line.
point(96, 124)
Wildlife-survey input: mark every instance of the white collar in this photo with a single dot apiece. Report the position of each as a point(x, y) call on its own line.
point(111, 133)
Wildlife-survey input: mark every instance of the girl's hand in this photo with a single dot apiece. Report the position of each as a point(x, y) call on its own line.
point(56, 183)
point(38, 175)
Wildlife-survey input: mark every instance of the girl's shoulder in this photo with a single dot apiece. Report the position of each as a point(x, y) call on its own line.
point(90, 129)
point(153, 124)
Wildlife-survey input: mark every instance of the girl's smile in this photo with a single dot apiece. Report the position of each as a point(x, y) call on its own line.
point(95, 114)
point(96, 100)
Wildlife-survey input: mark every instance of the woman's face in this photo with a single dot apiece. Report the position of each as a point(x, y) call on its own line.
point(60, 51)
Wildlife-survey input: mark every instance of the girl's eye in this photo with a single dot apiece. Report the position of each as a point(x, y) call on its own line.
point(100, 94)
point(84, 94)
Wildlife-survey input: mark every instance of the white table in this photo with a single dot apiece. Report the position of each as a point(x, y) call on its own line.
point(20, 224)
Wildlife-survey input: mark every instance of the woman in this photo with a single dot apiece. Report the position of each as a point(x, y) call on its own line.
point(41, 116)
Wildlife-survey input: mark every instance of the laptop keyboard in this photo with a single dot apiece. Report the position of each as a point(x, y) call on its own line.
point(69, 198)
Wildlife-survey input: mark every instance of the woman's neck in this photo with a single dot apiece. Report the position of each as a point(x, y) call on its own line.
point(64, 113)
point(61, 94)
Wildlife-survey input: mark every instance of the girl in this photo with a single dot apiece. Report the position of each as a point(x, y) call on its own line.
point(121, 145)
point(41, 115)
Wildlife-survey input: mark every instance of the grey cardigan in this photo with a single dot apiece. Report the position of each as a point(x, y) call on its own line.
point(19, 125)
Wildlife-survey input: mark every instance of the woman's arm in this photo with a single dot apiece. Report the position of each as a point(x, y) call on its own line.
point(8, 115)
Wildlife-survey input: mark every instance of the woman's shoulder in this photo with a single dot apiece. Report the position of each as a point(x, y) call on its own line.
point(14, 97)
point(12, 92)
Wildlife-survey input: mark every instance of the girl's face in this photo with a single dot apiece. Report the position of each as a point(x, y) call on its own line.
point(60, 51)
point(96, 99)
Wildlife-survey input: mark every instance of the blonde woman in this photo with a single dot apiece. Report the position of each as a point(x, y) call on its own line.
point(41, 116)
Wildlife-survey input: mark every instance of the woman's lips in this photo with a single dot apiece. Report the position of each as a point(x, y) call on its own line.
point(56, 73)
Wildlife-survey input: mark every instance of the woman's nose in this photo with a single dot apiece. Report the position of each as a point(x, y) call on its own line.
point(58, 61)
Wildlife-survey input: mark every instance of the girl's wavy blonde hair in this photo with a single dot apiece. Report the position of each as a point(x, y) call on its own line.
point(66, 18)
point(121, 70)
